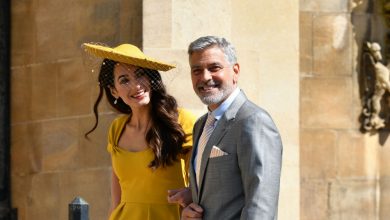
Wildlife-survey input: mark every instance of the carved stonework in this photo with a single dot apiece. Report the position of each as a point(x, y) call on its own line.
point(377, 84)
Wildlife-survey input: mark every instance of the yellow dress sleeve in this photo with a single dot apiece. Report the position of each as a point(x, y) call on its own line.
point(187, 120)
point(110, 138)
point(114, 132)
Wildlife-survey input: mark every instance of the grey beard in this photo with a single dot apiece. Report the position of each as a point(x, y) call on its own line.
point(216, 98)
point(213, 99)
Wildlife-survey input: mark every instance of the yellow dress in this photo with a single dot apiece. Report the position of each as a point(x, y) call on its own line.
point(144, 192)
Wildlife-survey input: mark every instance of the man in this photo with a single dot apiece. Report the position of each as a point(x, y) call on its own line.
point(236, 162)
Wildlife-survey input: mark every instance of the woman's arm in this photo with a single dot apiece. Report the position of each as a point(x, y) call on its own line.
point(115, 192)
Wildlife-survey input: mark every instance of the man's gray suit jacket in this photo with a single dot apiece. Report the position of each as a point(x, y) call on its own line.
point(245, 183)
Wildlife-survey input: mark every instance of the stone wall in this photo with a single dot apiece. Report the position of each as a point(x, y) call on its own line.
point(53, 93)
point(344, 173)
point(52, 96)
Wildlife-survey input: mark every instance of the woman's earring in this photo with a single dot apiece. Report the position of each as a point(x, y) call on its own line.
point(115, 101)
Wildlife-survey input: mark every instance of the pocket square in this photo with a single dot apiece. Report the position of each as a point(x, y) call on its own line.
point(217, 152)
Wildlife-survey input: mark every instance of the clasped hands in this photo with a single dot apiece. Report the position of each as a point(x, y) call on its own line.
point(183, 197)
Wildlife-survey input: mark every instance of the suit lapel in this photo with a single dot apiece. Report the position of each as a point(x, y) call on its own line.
point(220, 130)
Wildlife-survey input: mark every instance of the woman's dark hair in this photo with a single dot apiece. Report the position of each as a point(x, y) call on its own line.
point(165, 136)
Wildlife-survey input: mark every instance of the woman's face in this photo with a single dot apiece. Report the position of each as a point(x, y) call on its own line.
point(131, 85)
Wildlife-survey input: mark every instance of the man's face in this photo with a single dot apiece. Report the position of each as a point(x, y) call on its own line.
point(213, 77)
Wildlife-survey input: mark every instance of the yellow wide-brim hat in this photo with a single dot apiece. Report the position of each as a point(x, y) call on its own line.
point(127, 53)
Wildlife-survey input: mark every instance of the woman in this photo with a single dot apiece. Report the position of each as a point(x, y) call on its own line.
point(149, 144)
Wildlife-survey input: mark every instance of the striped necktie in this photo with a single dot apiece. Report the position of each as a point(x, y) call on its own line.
point(207, 130)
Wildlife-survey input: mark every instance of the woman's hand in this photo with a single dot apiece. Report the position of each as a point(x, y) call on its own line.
point(182, 196)
point(192, 212)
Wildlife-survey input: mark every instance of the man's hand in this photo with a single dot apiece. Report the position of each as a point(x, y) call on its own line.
point(181, 196)
point(192, 212)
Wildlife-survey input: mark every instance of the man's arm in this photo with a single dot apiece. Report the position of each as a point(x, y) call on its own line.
point(259, 153)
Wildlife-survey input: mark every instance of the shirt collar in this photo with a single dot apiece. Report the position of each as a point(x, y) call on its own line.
point(218, 112)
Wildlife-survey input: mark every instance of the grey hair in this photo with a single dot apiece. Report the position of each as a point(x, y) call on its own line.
point(210, 41)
